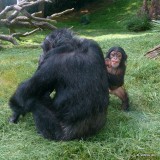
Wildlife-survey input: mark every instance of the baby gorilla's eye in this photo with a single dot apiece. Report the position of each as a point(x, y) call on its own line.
point(119, 55)
point(113, 54)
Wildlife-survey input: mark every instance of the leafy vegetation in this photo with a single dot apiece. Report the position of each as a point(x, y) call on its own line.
point(105, 15)
point(127, 135)
point(139, 23)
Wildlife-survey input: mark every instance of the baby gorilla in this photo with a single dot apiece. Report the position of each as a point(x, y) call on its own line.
point(74, 68)
point(115, 64)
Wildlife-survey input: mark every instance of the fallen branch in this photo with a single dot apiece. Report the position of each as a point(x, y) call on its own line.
point(29, 4)
point(59, 14)
point(18, 35)
point(13, 15)
point(26, 20)
point(8, 38)
point(37, 14)
point(7, 9)
point(29, 16)
point(23, 5)
point(18, 17)
point(153, 53)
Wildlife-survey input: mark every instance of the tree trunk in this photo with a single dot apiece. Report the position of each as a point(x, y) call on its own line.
point(154, 11)
point(1, 5)
point(145, 7)
point(41, 8)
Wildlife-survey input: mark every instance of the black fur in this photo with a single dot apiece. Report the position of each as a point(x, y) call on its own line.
point(75, 69)
point(117, 80)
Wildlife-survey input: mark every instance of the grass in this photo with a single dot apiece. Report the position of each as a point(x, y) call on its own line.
point(105, 15)
point(134, 135)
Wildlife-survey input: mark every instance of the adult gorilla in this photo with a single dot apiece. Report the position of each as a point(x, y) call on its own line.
point(75, 68)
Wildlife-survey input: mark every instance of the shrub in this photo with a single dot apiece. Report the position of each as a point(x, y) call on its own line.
point(139, 23)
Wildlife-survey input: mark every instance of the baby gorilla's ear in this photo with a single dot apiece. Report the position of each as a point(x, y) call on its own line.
point(108, 62)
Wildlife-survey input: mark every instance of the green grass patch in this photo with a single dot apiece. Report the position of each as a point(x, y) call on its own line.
point(104, 15)
point(134, 135)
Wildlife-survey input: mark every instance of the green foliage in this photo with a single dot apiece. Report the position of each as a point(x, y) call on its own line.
point(104, 14)
point(85, 19)
point(139, 23)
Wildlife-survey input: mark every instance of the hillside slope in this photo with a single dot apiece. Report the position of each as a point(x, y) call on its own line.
point(110, 15)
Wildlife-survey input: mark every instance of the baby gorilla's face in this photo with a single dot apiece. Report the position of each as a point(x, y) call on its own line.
point(115, 58)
